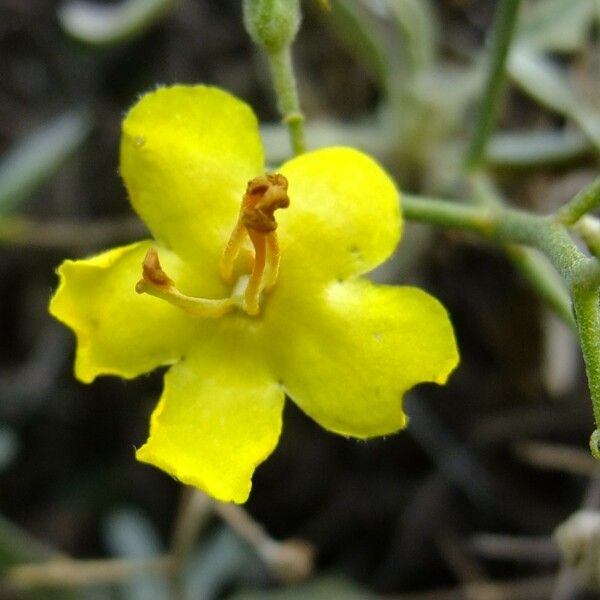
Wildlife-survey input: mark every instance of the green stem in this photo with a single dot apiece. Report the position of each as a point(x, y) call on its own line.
point(504, 27)
point(588, 229)
point(544, 279)
point(448, 213)
point(284, 82)
point(533, 265)
point(544, 233)
point(584, 202)
point(587, 311)
point(509, 225)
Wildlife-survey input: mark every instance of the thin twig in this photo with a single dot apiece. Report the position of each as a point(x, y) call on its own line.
point(79, 573)
point(289, 561)
point(195, 509)
point(557, 457)
point(461, 564)
point(538, 550)
point(18, 231)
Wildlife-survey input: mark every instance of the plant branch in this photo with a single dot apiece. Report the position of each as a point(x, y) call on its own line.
point(195, 510)
point(544, 233)
point(544, 279)
point(584, 202)
point(588, 229)
point(289, 561)
point(534, 266)
point(22, 231)
point(587, 311)
point(510, 225)
point(78, 573)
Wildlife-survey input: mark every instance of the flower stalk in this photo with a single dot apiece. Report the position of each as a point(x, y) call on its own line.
point(273, 25)
point(288, 104)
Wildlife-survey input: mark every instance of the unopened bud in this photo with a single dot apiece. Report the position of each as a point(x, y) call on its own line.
point(272, 24)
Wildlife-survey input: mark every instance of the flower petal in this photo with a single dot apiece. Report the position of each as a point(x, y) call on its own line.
point(344, 215)
point(356, 352)
point(219, 417)
point(187, 153)
point(119, 332)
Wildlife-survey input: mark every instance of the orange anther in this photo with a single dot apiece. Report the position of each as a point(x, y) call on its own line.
point(152, 272)
point(264, 195)
point(155, 282)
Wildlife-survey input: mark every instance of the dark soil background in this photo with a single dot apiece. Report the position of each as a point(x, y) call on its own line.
point(394, 516)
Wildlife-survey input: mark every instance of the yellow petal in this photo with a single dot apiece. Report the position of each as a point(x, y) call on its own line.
point(219, 417)
point(187, 153)
point(119, 332)
point(356, 350)
point(344, 215)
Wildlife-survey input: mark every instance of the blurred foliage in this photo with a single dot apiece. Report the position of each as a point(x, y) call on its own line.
point(38, 156)
point(399, 79)
point(99, 24)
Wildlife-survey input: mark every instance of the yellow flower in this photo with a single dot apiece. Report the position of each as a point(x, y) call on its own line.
point(343, 349)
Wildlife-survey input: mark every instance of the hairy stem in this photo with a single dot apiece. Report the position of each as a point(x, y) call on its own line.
point(584, 202)
point(588, 229)
point(548, 235)
point(587, 311)
point(512, 226)
point(284, 82)
point(533, 265)
point(544, 279)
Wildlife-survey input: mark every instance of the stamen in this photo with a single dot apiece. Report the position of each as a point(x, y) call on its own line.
point(264, 195)
point(275, 259)
point(232, 249)
point(155, 282)
point(254, 287)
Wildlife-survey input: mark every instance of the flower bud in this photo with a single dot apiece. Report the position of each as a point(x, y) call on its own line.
point(272, 24)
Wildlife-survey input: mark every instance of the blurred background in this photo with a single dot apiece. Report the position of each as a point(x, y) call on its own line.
point(461, 505)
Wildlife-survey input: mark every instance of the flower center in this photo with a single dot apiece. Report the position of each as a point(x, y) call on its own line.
point(256, 221)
